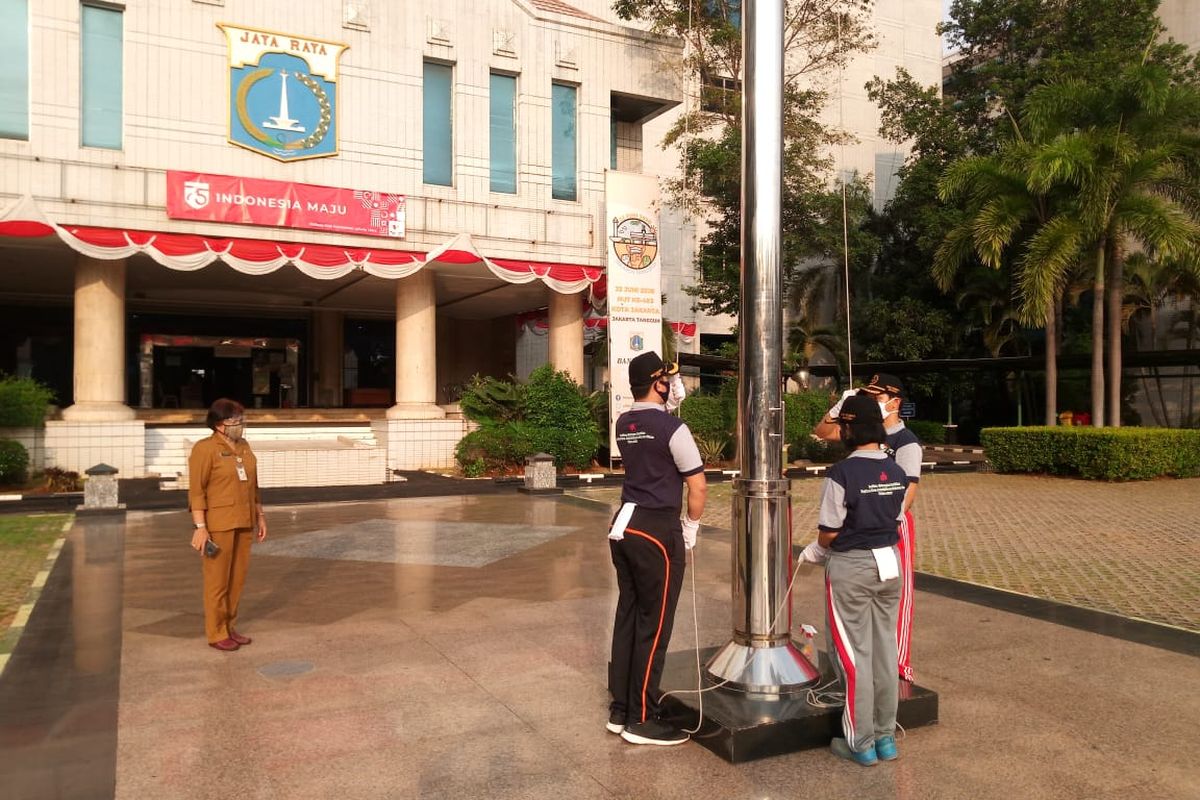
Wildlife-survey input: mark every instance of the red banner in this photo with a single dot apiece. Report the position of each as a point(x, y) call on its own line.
point(283, 204)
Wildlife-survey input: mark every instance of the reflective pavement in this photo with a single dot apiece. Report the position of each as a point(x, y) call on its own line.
point(457, 647)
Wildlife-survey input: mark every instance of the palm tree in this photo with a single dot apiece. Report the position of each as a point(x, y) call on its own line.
point(805, 339)
point(1001, 213)
point(987, 296)
point(1149, 284)
point(1127, 151)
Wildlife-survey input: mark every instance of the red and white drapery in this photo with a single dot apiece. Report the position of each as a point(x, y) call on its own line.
point(183, 251)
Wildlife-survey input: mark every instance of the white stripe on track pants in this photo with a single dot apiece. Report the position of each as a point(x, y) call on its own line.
point(862, 613)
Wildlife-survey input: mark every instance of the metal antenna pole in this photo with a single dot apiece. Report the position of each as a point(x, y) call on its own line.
point(761, 658)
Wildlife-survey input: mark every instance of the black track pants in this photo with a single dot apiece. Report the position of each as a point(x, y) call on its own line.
point(650, 562)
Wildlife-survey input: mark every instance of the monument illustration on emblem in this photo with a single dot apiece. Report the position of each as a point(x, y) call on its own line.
point(295, 118)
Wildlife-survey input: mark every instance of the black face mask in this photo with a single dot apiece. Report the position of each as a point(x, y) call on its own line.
point(663, 393)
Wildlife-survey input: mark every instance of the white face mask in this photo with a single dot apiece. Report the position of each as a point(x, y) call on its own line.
point(883, 409)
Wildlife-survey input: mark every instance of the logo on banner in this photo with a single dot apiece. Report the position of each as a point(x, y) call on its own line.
point(282, 93)
point(195, 194)
point(634, 241)
point(386, 210)
point(636, 343)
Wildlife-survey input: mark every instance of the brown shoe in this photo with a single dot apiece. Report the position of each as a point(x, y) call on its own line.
point(228, 645)
point(242, 640)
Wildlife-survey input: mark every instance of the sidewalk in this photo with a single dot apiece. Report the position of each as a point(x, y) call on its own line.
point(1131, 549)
point(455, 648)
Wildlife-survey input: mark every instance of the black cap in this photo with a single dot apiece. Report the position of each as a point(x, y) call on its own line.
point(882, 383)
point(647, 368)
point(860, 409)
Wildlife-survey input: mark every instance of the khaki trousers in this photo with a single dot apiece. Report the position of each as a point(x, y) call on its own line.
point(224, 577)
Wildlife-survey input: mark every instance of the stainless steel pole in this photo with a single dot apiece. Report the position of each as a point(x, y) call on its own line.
point(761, 658)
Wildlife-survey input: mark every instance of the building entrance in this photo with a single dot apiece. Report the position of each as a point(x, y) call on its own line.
point(193, 371)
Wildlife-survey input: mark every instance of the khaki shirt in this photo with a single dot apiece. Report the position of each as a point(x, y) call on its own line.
point(214, 486)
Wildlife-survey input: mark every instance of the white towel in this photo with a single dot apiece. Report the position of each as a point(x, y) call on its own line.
point(886, 561)
point(617, 531)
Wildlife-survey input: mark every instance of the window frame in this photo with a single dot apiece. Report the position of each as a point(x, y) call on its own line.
point(117, 8)
point(516, 129)
point(449, 65)
point(574, 87)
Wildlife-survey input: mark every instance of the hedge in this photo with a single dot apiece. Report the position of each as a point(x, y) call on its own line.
point(549, 413)
point(705, 415)
point(23, 402)
point(14, 462)
point(1113, 454)
point(927, 431)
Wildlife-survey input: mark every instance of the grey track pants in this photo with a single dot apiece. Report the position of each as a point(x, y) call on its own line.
point(862, 613)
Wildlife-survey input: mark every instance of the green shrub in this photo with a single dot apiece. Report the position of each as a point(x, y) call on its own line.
point(1112, 454)
point(14, 462)
point(822, 452)
point(560, 418)
point(23, 402)
point(495, 448)
point(705, 416)
point(548, 414)
point(492, 401)
point(712, 447)
point(802, 412)
point(928, 432)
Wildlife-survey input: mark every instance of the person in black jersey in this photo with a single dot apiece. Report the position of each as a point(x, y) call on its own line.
point(903, 446)
point(860, 500)
point(648, 540)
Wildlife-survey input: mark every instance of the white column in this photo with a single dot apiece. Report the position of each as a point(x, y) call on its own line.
point(566, 334)
point(416, 348)
point(99, 343)
point(328, 337)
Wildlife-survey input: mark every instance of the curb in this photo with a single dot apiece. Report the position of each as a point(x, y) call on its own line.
point(10, 637)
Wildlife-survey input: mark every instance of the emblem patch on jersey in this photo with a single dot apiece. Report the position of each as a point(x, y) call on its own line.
point(282, 93)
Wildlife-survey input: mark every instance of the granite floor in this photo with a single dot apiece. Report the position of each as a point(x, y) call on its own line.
point(456, 647)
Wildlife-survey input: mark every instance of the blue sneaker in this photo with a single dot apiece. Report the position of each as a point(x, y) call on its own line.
point(841, 749)
point(885, 748)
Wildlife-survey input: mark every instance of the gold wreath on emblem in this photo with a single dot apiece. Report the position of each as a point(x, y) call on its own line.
point(258, 134)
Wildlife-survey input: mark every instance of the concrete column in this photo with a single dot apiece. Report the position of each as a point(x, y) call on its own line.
point(416, 348)
point(566, 334)
point(328, 341)
point(99, 342)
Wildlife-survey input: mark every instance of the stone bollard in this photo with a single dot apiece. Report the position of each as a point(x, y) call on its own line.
point(100, 492)
point(540, 475)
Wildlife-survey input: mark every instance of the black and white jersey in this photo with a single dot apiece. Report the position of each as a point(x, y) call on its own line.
point(904, 446)
point(658, 452)
point(862, 497)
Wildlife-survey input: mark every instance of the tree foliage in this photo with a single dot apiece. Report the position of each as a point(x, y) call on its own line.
point(819, 36)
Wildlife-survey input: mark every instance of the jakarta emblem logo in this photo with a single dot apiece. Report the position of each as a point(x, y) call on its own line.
point(634, 241)
point(282, 93)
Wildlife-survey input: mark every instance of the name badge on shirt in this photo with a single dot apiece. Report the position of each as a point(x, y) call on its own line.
point(241, 471)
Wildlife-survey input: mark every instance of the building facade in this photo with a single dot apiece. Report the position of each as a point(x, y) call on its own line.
point(334, 212)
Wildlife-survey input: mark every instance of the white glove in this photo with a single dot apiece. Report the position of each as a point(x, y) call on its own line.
point(814, 554)
point(691, 527)
point(678, 392)
point(837, 407)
